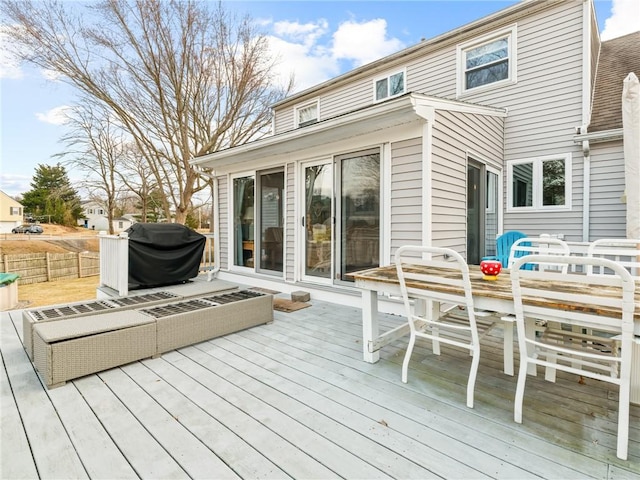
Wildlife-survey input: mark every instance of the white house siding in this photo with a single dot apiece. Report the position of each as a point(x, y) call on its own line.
point(406, 193)
point(456, 135)
point(283, 120)
point(607, 213)
point(544, 108)
point(545, 105)
point(290, 223)
point(223, 226)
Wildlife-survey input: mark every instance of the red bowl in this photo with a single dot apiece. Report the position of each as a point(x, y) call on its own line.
point(490, 267)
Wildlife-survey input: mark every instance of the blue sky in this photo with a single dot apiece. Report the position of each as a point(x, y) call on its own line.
point(317, 39)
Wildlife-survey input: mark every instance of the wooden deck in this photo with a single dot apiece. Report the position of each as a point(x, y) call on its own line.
point(294, 399)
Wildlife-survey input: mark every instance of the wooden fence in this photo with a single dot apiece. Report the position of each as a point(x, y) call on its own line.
point(45, 267)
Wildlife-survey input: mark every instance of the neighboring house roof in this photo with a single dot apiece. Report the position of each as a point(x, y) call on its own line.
point(618, 57)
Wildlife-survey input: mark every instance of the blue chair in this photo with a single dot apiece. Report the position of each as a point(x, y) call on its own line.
point(503, 247)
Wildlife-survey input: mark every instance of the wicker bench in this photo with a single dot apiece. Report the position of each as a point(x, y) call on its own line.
point(75, 347)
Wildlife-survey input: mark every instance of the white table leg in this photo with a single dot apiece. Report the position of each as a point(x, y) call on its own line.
point(635, 373)
point(370, 329)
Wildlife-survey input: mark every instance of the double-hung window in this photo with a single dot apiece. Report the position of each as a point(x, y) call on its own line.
point(389, 86)
point(489, 61)
point(539, 183)
point(307, 114)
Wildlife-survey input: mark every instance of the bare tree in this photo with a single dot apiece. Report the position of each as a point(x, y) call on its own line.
point(96, 146)
point(183, 78)
point(138, 177)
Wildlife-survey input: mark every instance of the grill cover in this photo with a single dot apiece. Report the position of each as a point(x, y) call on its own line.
point(163, 254)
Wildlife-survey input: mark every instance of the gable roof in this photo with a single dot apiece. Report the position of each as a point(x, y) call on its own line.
point(618, 58)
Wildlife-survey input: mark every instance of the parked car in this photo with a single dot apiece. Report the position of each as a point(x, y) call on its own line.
point(37, 229)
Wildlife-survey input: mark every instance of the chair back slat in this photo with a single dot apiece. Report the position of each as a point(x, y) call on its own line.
point(539, 246)
point(625, 251)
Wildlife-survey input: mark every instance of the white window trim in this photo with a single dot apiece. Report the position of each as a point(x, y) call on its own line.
point(302, 106)
point(537, 184)
point(388, 75)
point(511, 34)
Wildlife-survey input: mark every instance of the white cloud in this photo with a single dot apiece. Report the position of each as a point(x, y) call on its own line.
point(9, 63)
point(364, 42)
point(55, 116)
point(624, 19)
point(307, 50)
point(14, 185)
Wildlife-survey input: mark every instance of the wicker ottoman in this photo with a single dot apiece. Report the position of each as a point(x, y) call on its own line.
point(71, 348)
point(85, 309)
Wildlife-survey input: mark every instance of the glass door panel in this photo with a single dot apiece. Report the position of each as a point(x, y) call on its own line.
point(475, 205)
point(271, 221)
point(491, 215)
point(359, 236)
point(243, 217)
point(318, 181)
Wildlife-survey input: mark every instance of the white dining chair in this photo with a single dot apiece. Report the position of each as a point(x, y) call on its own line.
point(543, 244)
point(605, 302)
point(420, 287)
point(625, 251)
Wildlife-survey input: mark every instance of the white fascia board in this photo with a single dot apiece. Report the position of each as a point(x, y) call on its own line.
point(402, 110)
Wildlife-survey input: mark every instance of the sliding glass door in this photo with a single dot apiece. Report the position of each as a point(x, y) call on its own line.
point(342, 216)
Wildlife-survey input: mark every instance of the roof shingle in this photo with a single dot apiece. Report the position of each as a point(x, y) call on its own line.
point(618, 57)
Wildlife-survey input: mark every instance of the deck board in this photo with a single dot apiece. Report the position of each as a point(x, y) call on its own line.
point(294, 399)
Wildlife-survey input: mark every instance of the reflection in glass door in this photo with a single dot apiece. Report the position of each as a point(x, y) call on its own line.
point(359, 222)
point(270, 203)
point(318, 220)
point(475, 205)
point(482, 212)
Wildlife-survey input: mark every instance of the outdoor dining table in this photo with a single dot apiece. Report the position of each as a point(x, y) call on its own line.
point(489, 295)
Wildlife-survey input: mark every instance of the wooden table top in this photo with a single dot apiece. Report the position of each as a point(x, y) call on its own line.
point(499, 289)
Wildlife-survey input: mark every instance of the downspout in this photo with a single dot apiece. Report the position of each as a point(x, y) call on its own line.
point(586, 117)
point(586, 187)
point(216, 224)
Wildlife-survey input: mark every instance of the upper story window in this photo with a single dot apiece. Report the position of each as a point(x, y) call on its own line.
point(489, 61)
point(307, 113)
point(539, 183)
point(15, 210)
point(389, 86)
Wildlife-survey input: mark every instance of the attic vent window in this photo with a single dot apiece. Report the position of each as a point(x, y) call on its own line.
point(307, 114)
point(389, 86)
point(489, 61)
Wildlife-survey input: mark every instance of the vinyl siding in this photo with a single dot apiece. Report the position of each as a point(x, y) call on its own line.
point(290, 223)
point(406, 193)
point(544, 105)
point(608, 213)
point(223, 211)
point(454, 136)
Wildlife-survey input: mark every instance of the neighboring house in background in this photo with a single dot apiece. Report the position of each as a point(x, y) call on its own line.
point(448, 143)
point(95, 217)
point(11, 213)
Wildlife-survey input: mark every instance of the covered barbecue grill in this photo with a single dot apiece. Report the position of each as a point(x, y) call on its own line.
point(163, 254)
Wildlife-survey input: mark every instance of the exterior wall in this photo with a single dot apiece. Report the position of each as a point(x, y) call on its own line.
point(406, 193)
point(607, 213)
point(456, 136)
point(290, 223)
point(545, 105)
point(223, 205)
